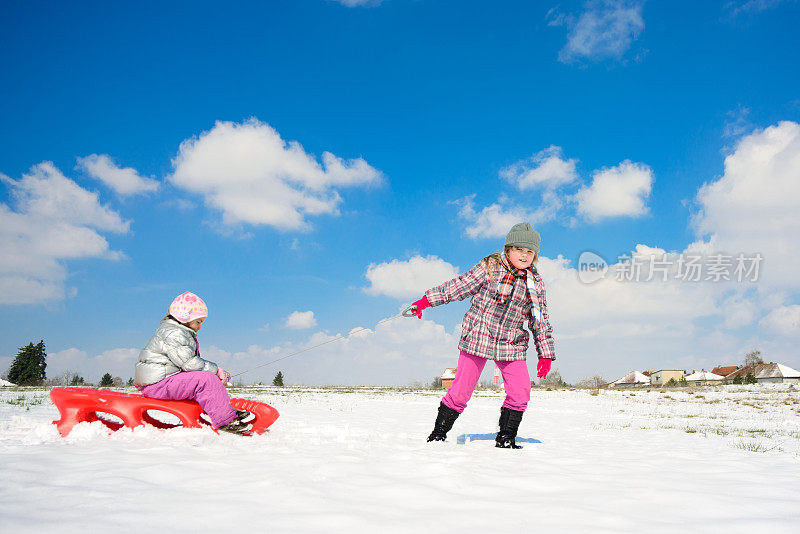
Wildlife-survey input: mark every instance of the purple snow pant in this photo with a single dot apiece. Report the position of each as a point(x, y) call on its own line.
point(516, 380)
point(200, 386)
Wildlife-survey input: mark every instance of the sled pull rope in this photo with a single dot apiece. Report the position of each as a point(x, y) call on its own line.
point(337, 338)
point(409, 312)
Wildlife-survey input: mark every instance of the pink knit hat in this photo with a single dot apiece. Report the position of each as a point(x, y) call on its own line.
point(187, 307)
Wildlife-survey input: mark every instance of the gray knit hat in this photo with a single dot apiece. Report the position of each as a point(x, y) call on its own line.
point(523, 235)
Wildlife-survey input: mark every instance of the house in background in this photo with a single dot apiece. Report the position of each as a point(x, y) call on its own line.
point(6, 384)
point(704, 378)
point(768, 373)
point(724, 370)
point(661, 377)
point(632, 379)
point(448, 376)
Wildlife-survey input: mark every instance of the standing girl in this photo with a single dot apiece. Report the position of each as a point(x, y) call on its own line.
point(506, 291)
point(170, 366)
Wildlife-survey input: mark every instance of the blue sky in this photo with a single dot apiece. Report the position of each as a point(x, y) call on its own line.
point(341, 157)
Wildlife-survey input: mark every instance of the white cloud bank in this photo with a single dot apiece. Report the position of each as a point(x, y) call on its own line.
point(496, 219)
point(117, 362)
point(408, 279)
point(755, 206)
point(298, 320)
point(784, 321)
point(396, 352)
point(616, 191)
point(547, 169)
point(253, 176)
point(605, 29)
point(54, 219)
point(125, 181)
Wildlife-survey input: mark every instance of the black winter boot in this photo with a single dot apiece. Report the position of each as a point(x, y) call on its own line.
point(509, 424)
point(241, 423)
point(444, 422)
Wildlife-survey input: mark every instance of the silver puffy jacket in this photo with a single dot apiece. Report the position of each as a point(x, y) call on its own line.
point(172, 349)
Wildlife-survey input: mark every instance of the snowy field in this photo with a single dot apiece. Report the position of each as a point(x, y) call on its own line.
point(353, 460)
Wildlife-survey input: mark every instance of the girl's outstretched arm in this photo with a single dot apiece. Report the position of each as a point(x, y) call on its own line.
point(458, 288)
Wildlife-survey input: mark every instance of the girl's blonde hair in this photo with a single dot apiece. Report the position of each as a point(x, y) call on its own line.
point(492, 260)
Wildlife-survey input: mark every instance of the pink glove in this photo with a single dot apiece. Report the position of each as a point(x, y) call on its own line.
point(420, 305)
point(223, 375)
point(543, 367)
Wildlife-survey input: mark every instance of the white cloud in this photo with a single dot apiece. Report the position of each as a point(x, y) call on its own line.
point(737, 311)
point(616, 191)
point(125, 181)
point(755, 206)
point(784, 321)
point(408, 279)
point(605, 29)
point(359, 3)
point(737, 122)
point(497, 219)
point(298, 320)
point(613, 327)
point(398, 351)
point(255, 177)
point(751, 7)
point(547, 169)
point(54, 220)
point(118, 362)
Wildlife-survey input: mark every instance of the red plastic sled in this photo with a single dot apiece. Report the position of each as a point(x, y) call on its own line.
point(79, 405)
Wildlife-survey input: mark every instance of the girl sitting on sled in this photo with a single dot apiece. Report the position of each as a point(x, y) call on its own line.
point(170, 367)
point(506, 291)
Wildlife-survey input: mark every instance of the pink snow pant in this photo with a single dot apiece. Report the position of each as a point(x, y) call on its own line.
point(201, 386)
point(517, 382)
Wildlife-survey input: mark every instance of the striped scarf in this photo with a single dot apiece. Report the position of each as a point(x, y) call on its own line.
point(506, 283)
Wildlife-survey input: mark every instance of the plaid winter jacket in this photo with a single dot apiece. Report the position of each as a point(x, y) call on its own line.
point(492, 330)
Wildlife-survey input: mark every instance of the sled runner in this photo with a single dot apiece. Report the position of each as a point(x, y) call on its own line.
point(79, 405)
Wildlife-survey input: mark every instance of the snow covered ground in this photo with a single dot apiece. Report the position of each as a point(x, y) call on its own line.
point(351, 460)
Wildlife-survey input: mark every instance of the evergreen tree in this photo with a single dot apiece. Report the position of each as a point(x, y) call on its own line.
point(737, 379)
point(130, 381)
point(750, 379)
point(106, 381)
point(278, 380)
point(28, 368)
point(77, 380)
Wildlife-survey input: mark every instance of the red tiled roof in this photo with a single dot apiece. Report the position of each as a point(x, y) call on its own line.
point(724, 370)
point(742, 371)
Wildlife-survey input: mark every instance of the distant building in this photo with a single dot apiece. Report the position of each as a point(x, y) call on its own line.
point(704, 378)
point(768, 373)
point(497, 379)
point(632, 379)
point(6, 384)
point(724, 370)
point(448, 376)
point(660, 378)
